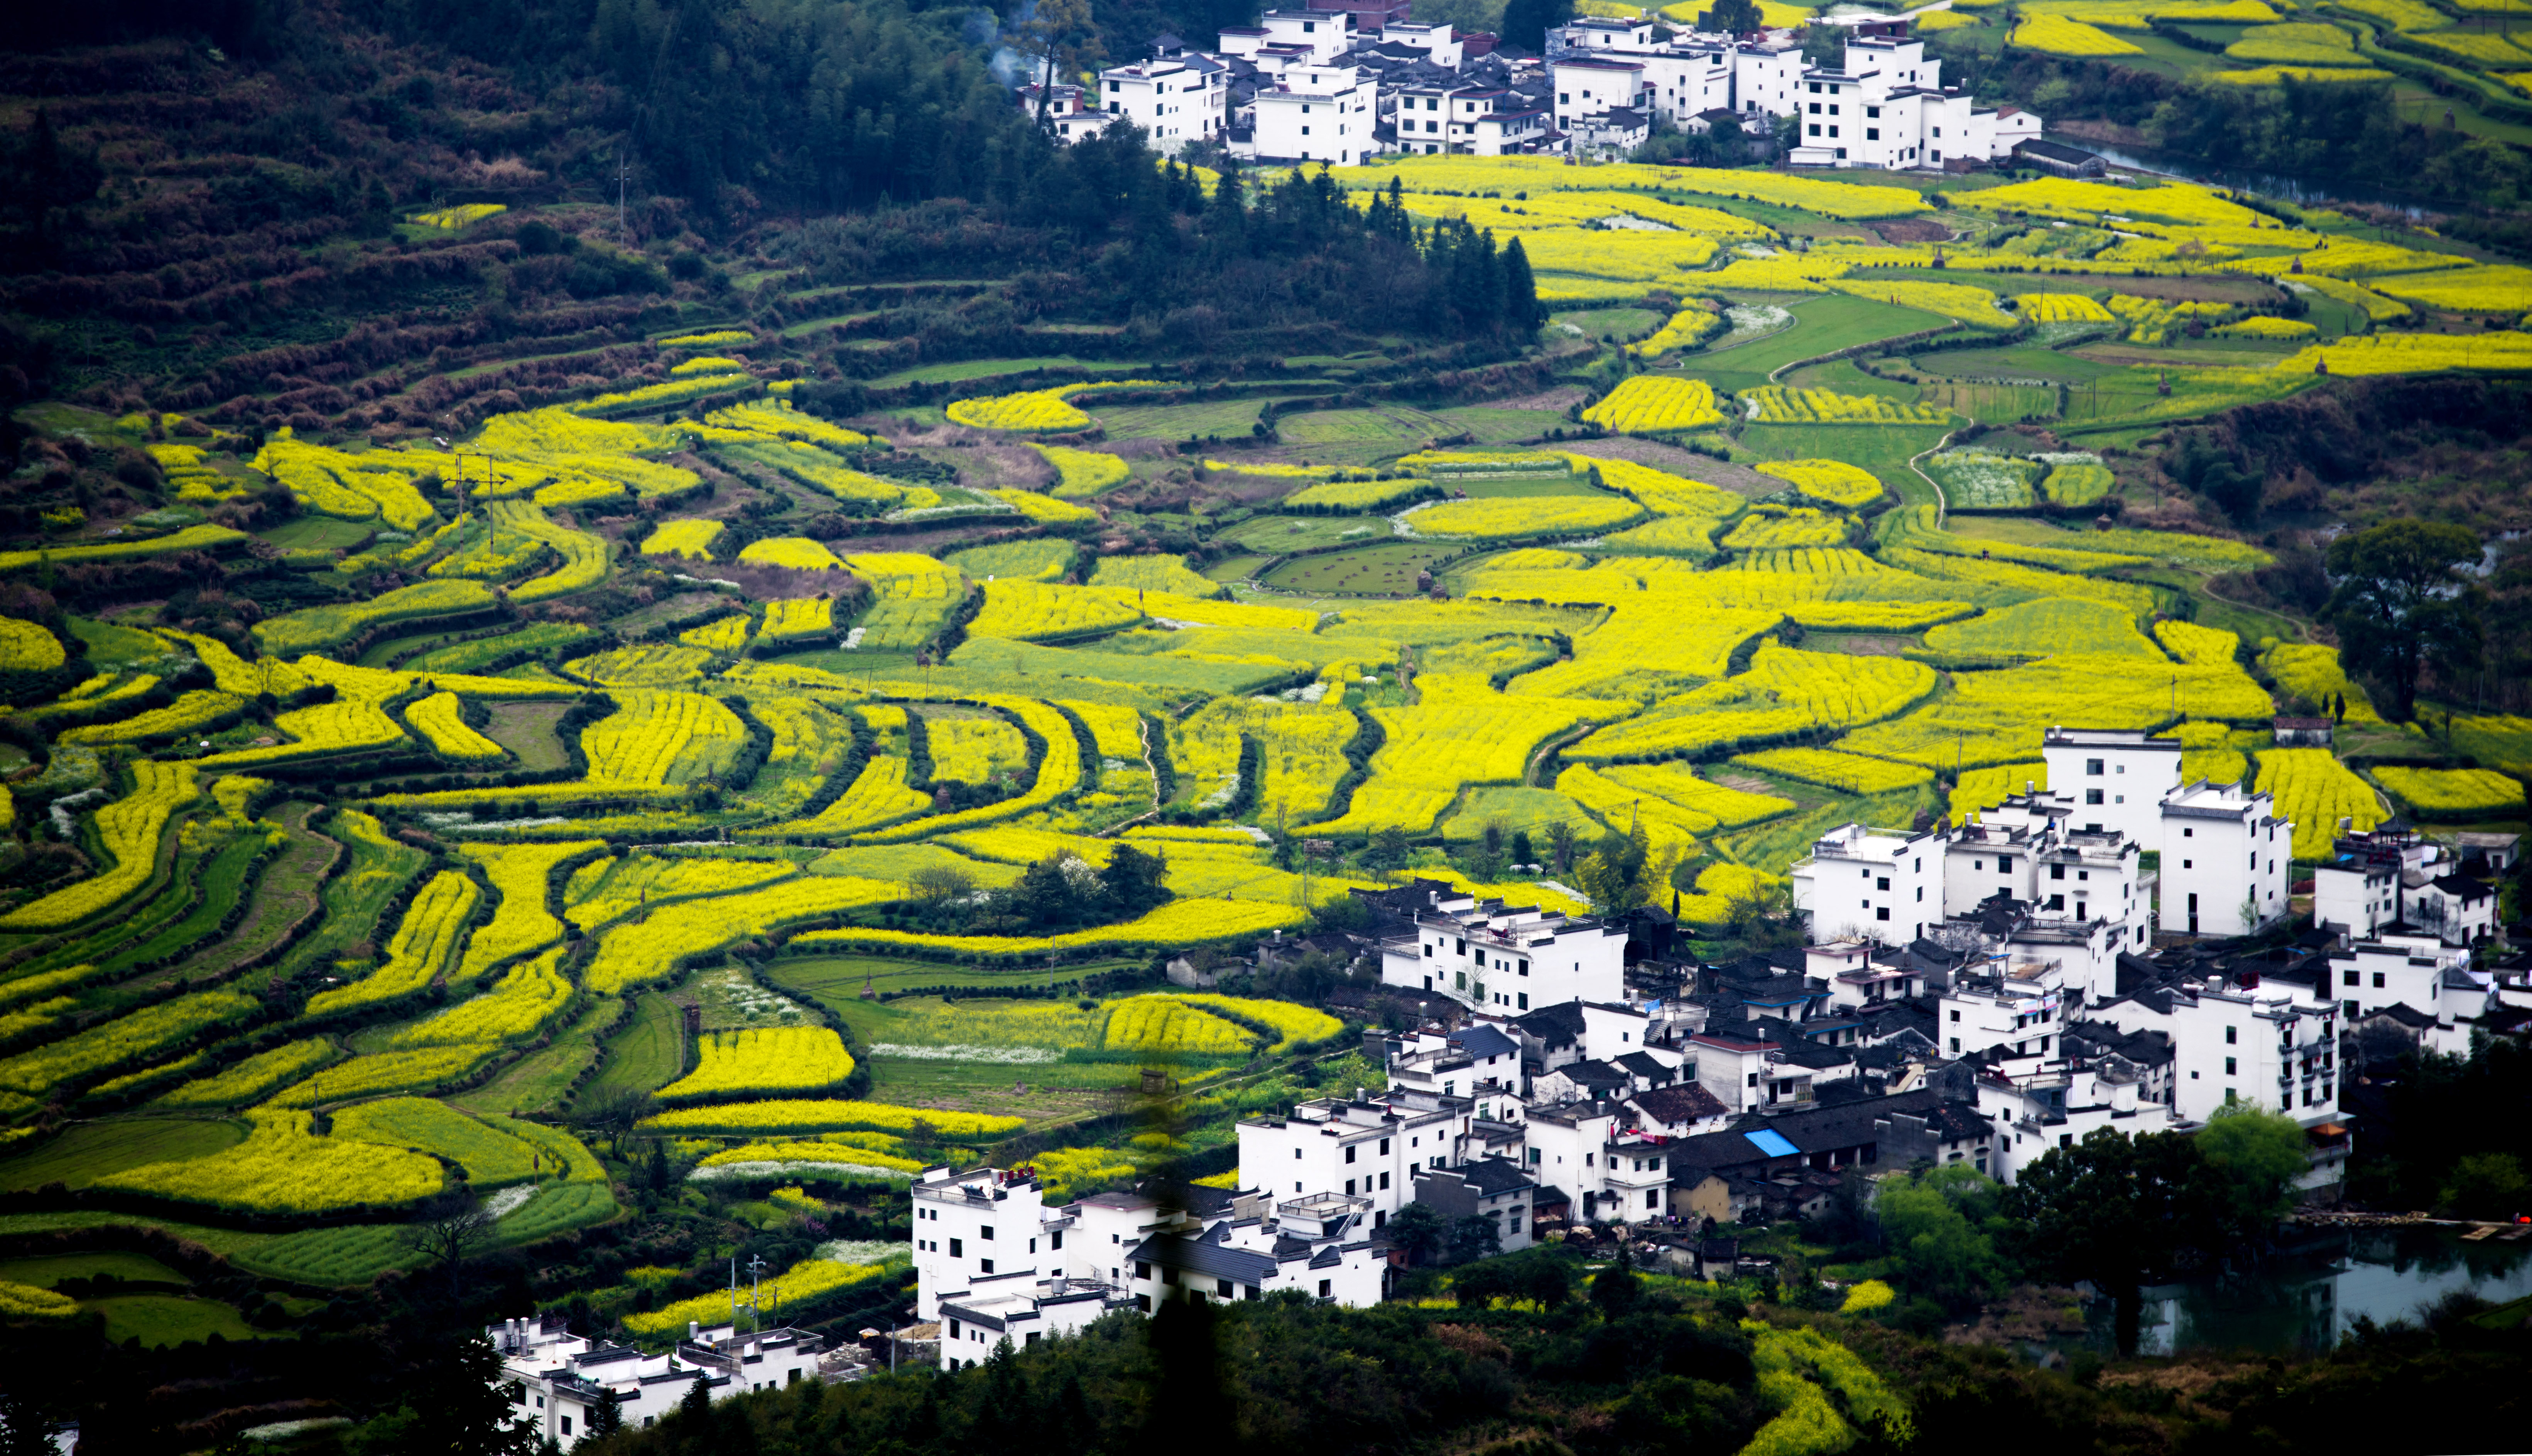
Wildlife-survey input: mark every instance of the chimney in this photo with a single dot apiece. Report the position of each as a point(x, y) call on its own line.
point(1362, 1095)
point(694, 1330)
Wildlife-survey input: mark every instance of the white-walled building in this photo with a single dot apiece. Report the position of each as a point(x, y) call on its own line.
point(2039, 1104)
point(2225, 853)
point(1867, 884)
point(1767, 77)
point(2112, 782)
point(1178, 102)
point(1885, 106)
point(1365, 1149)
point(2022, 1011)
point(2393, 970)
point(993, 1263)
point(1439, 42)
point(1316, 113)
point(1505, 960)
point(561, 1378)
point(2273, 1044)
point(1587, 86)
point(1324, 34)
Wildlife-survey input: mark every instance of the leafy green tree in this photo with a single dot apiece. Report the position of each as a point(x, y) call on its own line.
point(1616, 1289)
point(1526, 22)
point(1731, 16)
point(2260, 1154)
point(2113, 1209)
point(1941, 1253)
point(2403, 605)
point(2487, 1185)
point(1417, 1231)
point(1474, 1238)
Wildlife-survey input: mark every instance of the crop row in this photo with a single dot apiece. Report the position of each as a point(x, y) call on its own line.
point(489, 1158)
point(129, 829)
point(1176, 924)
point(146, 1032)
point(1647, 404)
point(418, 953)
point(753, 1119)
point(422, 1069)
point(776, 1061)
point(522, 1004)
point(1831, 481)
point(1786, 692)
point(283, 1168)
point(649, 949)
point(255, 1078)
point(2312, 789)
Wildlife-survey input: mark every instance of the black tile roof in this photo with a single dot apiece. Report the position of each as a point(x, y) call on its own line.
point(1492, 1176)
point(1485, 1041)
point(1216, 1261)
point(1681, 1102)
point(1553, 1025)
point(1646, 1065)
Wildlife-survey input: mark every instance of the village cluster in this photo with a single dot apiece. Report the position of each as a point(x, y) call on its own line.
point(1977, 994)
point(1347, 81)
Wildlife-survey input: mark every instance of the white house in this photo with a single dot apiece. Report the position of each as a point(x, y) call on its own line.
point(1767, 77)
point(2273, 1044)
point(1364, 1147)
point(1588, 86)
point(1505, 960)
point(2039, 1104)
point(2393, 970)
point(2022, 1011)
point(1125, 1250)
point(2111, 781)
point(1885, 106)
point(2225, 860)
point(1324, 34)
point(1178, 102)
point(1878, 885)
point(1022, 1308)
point(1439, 41)
point(1316, 113)
point(559, 1377)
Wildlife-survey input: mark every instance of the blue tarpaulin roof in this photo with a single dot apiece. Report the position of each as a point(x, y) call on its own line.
point(1773, 1144)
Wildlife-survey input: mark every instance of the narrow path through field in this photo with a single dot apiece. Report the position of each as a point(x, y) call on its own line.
point(1143, 727)
point(1942, 504)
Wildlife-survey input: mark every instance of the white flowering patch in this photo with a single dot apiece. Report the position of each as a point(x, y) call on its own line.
point(1005, 1056)
point(510, 1200)
point(748, 1172)
point(862, 1252)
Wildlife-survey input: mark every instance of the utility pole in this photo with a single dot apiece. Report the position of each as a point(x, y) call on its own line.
point(623, 172)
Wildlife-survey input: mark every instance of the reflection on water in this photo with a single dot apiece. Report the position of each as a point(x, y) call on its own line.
point(2315, 1289)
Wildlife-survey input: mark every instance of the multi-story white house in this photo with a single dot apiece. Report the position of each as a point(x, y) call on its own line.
point(1364, 1147)
point(2393, 970)
point(1588, 86)
point(1505, 960)
point(1125, 1250)
point(2225, 860)
point(1178, 102)
point(2273, 1044)
point(1867, 884)
point(2022, 1010)
point(2110, 780)
point(2039, 1104)
point(559, 1378)
point(1439, 42)
point(1767, 77)
point(1316, 113)
point(1324, 34)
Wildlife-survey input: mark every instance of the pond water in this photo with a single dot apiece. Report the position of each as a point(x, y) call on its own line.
point(2312, 1293)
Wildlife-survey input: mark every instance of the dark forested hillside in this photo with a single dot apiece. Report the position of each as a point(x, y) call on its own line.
point(231, 213)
